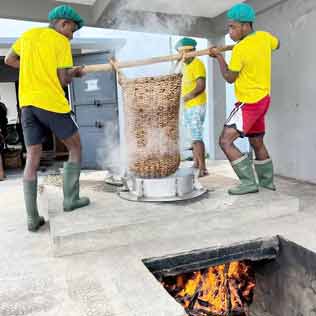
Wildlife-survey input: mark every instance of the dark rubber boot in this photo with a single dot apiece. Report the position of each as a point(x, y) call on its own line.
point(71, 187)
point(264, 170)
point(34, 221)
point(244, 171)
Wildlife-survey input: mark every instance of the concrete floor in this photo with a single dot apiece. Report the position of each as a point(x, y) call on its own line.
point(100, 271)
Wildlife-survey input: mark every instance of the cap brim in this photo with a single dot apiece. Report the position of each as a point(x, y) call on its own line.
point(185, 47)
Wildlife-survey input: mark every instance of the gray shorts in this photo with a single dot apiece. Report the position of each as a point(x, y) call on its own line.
point(37, 122)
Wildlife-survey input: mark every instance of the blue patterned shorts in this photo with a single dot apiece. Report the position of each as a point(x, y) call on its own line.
point(194, 118)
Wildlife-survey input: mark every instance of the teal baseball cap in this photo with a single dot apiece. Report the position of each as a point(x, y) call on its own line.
point(241, 12)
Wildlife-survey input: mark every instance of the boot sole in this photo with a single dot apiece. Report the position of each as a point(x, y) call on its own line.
point(37, 227)
point(244, 193)
point(71, 209)
point(268, 188)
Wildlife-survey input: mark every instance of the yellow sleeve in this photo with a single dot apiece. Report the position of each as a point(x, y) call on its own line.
point(236, 63)
point(64, 55)
point(16, 47)
point(199, 70)
point(274, 41)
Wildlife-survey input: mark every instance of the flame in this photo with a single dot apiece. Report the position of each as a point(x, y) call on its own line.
point(220, 290)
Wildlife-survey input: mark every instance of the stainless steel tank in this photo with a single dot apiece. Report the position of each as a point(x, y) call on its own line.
point(182, 185)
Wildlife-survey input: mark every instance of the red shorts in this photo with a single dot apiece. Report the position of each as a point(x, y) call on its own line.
point(248, 118)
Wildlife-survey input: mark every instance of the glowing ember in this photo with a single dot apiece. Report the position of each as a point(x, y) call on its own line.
point(216, 291)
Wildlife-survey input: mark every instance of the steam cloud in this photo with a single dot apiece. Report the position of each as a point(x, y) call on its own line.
point(109, 154)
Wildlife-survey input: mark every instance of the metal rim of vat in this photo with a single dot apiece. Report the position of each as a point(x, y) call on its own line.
point(128, 195)
point(183, 185)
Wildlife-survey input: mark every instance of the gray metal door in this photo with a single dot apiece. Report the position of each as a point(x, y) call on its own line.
point(94, 101)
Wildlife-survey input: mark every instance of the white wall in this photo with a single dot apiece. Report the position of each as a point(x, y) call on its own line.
point(14, 28)
point(291, 119)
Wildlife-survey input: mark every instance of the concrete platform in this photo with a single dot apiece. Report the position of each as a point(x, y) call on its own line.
point(110, 221)
point(106, 242)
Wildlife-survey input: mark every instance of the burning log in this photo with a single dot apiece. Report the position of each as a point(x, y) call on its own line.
point(224, 290)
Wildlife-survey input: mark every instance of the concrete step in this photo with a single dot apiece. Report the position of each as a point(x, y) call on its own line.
point(112, 222)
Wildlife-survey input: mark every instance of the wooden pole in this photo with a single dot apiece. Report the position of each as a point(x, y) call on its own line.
point(149, 61)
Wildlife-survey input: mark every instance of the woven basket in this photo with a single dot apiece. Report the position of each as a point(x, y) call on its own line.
point(151, 107)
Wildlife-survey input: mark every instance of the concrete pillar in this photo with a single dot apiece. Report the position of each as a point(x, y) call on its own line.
point(217, 103)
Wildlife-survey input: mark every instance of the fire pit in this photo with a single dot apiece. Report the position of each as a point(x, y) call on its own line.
point(272, 277)
point(214, 282)
point(219, 290)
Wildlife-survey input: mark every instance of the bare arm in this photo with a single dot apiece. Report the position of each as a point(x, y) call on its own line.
point(228, 75)
point(12, 59)
point(65, 75)
point(200, 88)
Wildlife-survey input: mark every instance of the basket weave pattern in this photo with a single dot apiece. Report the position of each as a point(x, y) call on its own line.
point(151, 107)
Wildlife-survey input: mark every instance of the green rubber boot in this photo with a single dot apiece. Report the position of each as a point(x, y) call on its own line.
point(71, 187)
point(244, 171)
point(264, 171)
point(34, 221)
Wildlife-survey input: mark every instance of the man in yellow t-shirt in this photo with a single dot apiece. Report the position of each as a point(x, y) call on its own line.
point(194, 98)
point(250, 71)
point(44, 58)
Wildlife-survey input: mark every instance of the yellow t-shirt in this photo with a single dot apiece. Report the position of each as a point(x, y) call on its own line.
point(251, 57)
point(42, 51)
point(192, 72)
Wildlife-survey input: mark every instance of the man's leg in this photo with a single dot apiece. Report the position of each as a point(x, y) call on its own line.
point(240, 163)
point(33, 132)
point(33, 156)
point(195, 160)
point(259, 147)
point(195, 118)
point(263, 163)
point(73, 145)
point(71, 186)
point(187, 116)
point(226, 142)
point(199, 151)
point(65, 128)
